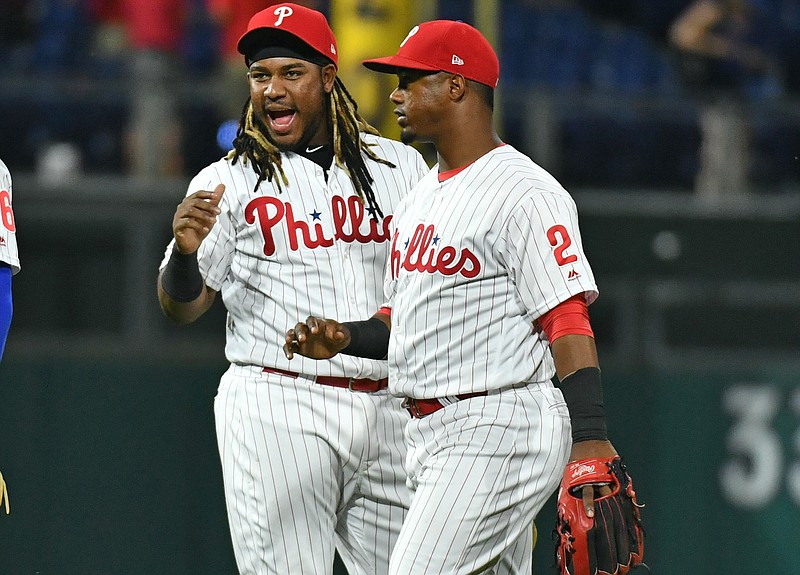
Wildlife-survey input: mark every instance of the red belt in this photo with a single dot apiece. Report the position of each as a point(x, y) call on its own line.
point(350, 383)
point(422, 407)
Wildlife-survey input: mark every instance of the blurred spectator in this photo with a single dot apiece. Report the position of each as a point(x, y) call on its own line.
point(727, 62)
point(726, 46)
point(155, 29)
point(110, 42)
point(231, 18)
point(62, 34)
point(154, 32)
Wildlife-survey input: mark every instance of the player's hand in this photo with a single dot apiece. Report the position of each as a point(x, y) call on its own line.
point(316, 338)
point(588, 450)
point(612, 541)
point(195, 217)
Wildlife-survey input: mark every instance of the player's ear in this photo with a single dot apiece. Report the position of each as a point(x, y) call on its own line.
point(456, 87)
point(328, 73)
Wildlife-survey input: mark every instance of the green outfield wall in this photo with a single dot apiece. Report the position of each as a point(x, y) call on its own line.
point(112, 469)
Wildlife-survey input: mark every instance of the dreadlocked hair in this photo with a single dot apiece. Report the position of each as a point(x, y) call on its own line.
point(252, 145)
point(348, 144)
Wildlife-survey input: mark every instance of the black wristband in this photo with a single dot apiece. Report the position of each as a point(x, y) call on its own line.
point(369, 339)
point(181, 279)
point(583, 393)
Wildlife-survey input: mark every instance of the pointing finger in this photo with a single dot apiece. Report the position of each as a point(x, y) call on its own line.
point(216, 195)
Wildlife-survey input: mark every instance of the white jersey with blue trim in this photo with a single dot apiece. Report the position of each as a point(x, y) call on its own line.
point(8, 226)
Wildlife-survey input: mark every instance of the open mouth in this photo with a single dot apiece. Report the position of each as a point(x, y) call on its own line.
point(281, 120)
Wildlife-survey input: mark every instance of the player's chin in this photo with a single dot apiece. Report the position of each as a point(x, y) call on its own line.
point(285, 142)
point(407, 136)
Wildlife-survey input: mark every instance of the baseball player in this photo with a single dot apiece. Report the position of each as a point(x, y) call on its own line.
point(487, 291)
point(9, 257)
point(293, 222)
point(9, 265)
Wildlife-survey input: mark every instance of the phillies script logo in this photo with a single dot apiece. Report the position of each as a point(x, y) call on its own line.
point(348, 215)
point(421, 257)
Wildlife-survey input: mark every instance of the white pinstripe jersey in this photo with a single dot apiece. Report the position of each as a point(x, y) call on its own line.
point(475, 260)
point(8, 227)
point(312, 249)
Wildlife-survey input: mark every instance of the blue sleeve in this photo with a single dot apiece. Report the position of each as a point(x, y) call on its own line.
point(6, 308)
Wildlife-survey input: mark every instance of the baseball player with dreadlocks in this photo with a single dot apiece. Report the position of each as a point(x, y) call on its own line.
point(294, 222)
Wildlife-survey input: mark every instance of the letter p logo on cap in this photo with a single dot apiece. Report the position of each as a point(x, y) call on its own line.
point(282, 12)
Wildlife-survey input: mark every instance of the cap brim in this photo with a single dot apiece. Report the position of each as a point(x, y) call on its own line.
point(261, 39)
point(390, 65)
point(253, 38)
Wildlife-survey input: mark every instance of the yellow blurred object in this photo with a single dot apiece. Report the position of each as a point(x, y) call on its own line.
point(369, 29)
point(4, 494)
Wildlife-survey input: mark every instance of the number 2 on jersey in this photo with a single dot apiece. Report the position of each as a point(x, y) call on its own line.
point(559, 239)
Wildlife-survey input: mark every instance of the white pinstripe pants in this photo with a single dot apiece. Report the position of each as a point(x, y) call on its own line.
point(306, 467)
point(480, 470)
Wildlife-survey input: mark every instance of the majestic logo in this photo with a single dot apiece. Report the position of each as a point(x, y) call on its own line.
point(348, 219)
point(2, 241)
point(424, 255)
point(573, 275)
point(457, 61)
point(282, 12)
point(414, 30)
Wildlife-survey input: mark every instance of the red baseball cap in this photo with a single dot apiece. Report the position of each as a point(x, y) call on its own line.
point(304, 32)
point(446, 45)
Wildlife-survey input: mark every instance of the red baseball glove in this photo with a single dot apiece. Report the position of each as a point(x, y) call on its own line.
point(611, 542)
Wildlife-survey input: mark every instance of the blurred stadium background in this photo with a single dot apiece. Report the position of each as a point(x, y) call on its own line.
point(106, 431)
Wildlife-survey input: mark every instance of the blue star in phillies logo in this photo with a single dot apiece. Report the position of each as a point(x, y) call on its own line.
point(372, 211)
point(315, 214)
point(436, 239)
point(406, 244)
